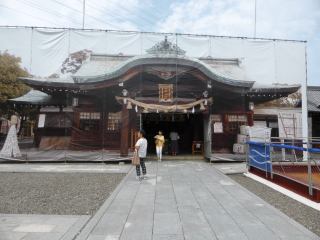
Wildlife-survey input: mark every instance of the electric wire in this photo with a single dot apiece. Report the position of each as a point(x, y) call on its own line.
point(114, 16)
point(141, 9)
point(52, 12)
point(86, 14)
point(163, 14)
point(160, 33)
point(31, 15)
point(144, 11)
point(127, 11)
point(115, 3)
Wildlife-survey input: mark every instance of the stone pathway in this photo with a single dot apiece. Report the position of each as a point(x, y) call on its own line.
point(188, 200)
point(35, 227)
point(65, 168)
point(236, 168)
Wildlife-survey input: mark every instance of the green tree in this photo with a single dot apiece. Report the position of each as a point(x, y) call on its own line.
point(11, 87)
point(10, 70)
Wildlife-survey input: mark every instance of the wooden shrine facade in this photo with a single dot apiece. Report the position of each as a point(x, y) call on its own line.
point(100, 106)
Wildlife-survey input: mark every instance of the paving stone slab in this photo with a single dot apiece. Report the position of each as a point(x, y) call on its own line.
point(166, 237)
point(198, 231)
point(12, 235)
point(258, 231)
point(103, 237)
point(46, 236)
point(191, 214)
point(134, 231)
point(40, 228)
point(141, 213)
point(167, 223)
point(110, 224)
point(279, 226)
point(242, 215)
point(166, 205)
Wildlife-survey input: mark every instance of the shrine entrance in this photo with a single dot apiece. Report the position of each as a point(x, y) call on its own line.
point(188, 126)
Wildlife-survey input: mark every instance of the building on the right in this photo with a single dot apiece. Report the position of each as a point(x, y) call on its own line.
point(313, 102)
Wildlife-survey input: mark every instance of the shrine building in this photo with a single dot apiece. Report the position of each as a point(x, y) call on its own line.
point(111, 97)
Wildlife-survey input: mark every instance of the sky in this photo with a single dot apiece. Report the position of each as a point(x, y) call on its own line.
point(276, 19)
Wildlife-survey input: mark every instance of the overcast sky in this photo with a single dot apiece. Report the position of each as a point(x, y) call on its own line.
point(282, 19)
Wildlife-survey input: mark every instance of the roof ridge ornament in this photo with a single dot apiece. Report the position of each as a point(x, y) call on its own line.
point(165, 47)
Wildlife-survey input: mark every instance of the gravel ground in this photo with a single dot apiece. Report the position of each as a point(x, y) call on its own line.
point(306, 216)
point(55, 193)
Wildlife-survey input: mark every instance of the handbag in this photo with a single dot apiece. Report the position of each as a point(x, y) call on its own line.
point(136, 159)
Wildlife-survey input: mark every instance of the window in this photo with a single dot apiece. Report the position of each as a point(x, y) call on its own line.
point(235, 121)
point(114, 121)
point(57, 120)
point(89, 121)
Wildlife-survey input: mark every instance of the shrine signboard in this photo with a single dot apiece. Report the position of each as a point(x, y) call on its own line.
point(165, 92)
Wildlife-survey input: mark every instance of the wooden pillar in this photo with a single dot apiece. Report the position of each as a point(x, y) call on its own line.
point(124, 131)
point(250, 119)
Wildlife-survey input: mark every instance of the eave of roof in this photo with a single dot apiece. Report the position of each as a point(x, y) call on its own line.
point(262, 88)
point(50, 82)
point(82, 77)
point(37, 98)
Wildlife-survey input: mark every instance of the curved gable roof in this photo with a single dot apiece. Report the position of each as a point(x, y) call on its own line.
point(103, 67)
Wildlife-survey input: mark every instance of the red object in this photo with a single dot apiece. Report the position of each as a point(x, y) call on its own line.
point(289, 184)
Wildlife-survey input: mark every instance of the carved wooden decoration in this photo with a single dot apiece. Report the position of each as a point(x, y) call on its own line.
point(165, 92)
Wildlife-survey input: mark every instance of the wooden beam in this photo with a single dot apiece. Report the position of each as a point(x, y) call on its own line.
point(124, 132)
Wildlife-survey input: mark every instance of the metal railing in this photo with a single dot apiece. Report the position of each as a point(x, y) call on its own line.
point(297, 159)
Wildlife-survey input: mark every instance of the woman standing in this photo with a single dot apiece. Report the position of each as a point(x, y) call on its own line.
point(174, 143)
point(159, 145)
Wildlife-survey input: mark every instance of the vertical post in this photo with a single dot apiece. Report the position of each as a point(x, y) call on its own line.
point(283, 151)
point(255, 20)
point(124, 131)
point(141, 122)
point(84, 8)
point(247, 153)
point(266, 156)
point(309, 169)
point(271, 170)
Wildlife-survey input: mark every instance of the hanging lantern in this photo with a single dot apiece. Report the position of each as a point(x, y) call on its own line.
point(157, 111)
point(185, 110)
point(192, 110)
point(202, 107)
point(136, 108)
point(129, 106)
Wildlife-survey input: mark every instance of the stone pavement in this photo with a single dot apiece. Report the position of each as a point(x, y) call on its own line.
point(66, 168)
point(235, 168)
point(35, 227)
point(188, 200)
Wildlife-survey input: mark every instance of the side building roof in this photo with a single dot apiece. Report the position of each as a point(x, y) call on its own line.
point(313, 99)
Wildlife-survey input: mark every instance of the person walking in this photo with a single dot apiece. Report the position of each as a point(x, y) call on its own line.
point(159, 145)
point(141, 146)
point(174, 143)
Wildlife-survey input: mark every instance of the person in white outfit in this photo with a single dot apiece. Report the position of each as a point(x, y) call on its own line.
point(159, 145)
point(142, 146)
